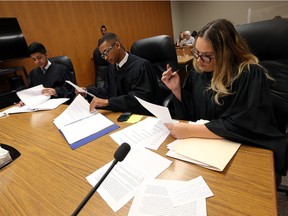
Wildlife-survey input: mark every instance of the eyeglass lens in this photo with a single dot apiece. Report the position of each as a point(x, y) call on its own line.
point(204, 58)
point(106, 52)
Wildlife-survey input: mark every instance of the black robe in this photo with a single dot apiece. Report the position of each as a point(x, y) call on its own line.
point(246, 115)
point(54, 77)
point(135, 78)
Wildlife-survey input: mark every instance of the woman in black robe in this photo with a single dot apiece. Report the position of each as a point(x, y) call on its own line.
point(230, 89)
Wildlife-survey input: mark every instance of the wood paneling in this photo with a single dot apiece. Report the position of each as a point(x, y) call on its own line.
point(72, 28)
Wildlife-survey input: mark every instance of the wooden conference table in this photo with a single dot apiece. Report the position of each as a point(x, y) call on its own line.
point(49, 177)
point(184, 55)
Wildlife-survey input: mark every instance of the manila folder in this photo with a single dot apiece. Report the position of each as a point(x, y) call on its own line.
point(214, 153)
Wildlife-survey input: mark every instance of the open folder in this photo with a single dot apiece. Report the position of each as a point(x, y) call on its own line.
point(34, 100)
point(79, 126)
point(212, 154)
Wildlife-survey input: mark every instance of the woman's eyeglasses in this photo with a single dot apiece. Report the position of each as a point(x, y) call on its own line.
point(106, 52)
point(203, 57)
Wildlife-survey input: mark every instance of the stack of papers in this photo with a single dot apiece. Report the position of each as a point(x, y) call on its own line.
point(79, 126)
point(34, 100)
point(171, 197)
point(121, 184)
point(213, 154)
point(148, 133)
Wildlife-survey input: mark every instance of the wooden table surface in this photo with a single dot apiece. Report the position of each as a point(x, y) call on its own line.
point(183, 60)
point(49, 177)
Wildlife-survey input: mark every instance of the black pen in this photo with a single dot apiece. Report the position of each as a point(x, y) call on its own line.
point(173, 75)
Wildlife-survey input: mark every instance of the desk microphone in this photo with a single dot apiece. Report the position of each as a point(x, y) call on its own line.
point(119, 155)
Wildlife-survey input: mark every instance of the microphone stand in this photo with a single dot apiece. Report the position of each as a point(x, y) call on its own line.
point(85, 200)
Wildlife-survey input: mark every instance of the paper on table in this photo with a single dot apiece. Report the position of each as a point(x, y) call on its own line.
point(212, 153)
point(192, 190)
point(123, 181)
point(79, 126)
point(149, 133)
point(32, 97)
point(47, 105)
point(153, 199)
point(78, 109)
point(134, 118)
point(160, 112)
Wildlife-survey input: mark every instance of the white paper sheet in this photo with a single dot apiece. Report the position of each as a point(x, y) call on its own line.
point(78, 109)
point(123, 181)
point(160, 112)
point(153, 199)
point(33, 97)
point(149, 133)
point(189, 191)
point(81, 90)
point(47, 105)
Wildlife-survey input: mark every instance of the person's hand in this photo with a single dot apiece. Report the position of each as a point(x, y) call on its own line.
point(49, 91)
point(98, 102)
point(171, 79)
point(21, 103)
point(180, 130)
point(185, 130)
point(84, 94)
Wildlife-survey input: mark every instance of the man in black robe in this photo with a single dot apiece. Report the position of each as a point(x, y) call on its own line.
point(51, 75)
point(128, 76)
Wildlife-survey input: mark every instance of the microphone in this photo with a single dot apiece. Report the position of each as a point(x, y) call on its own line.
point(119, 155)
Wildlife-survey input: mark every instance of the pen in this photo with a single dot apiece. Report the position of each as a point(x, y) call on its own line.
point(172, 75)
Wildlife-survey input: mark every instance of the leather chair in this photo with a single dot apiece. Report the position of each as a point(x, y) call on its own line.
point(101, 68)
point(269, 42)
point(65, 60)
point(160, 51)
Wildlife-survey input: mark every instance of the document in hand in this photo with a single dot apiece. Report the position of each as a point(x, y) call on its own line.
point(34, 100)
point(213, 154)
point(160, 112)
point(79, 126)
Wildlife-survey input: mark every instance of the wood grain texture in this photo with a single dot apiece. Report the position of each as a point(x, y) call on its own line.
point(49, 178)
point(72, 28)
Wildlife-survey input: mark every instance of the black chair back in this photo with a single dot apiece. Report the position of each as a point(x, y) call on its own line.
point(160, 51)
point(268, 40)
point(101, 68)
point(65, 60)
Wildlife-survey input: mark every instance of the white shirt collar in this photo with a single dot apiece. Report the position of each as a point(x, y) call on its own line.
point(48, 65)
point(124, 60)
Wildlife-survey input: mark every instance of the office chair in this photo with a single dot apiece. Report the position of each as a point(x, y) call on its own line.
point(65, 60)
point(160, 51)
point(268, 41)
point(101, 68)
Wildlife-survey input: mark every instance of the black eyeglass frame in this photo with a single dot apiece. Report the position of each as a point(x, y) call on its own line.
point(106, 52)
point(204, 58)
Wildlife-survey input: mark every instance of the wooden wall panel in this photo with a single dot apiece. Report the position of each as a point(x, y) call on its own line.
point(73, 27)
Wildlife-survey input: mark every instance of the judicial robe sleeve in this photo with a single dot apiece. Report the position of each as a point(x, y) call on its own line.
point(143, 84)
point(246, 116)
point(250, 119)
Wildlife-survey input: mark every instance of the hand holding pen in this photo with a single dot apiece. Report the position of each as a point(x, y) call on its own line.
point(171, 79)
